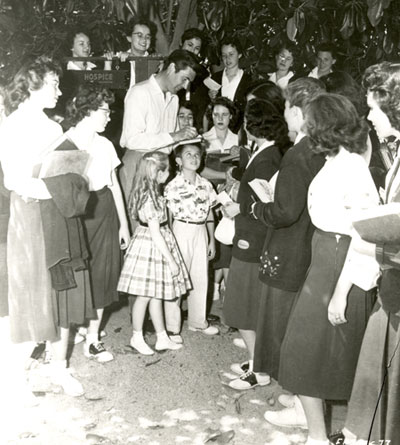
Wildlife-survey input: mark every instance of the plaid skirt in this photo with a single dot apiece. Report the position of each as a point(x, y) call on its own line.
point(147, 273)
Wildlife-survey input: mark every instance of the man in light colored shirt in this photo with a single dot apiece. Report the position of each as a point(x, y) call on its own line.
point(151, 110)
point(325, 61)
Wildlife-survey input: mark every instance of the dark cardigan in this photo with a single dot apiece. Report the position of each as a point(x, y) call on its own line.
point(240, 95)
point(286, 254)
point(250, 233)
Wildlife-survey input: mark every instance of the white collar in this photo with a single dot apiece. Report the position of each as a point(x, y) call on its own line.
point(262, 147)
point(299, 137)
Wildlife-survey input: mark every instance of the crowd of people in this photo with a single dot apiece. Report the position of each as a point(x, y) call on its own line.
point(316, 305)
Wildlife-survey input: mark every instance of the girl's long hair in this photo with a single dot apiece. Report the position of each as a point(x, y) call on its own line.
point(145, 184)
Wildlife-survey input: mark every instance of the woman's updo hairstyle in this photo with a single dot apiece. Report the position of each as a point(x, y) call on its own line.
point(89, 98)
point(383, 81)
point(263, 120)
point(332, 121)
point(29, 78)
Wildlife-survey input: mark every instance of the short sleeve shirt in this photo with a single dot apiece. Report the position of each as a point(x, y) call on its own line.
point(190, 202)
point(149, 212)
point(103, 160)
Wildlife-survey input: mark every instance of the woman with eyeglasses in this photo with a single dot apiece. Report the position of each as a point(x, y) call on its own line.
point(284, 61)
point(105, 220)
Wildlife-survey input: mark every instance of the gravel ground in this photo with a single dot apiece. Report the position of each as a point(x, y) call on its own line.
point(175, 397)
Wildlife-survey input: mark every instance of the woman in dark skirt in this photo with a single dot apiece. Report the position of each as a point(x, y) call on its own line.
point(267, 127)
point(105, 220)
point(374, 406)
point(320, 349)
point(290, 234)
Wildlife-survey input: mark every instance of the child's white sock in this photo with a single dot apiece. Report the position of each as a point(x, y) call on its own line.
point(138, 343)
point(164, 342)
point(251, 364)
point(92, 338)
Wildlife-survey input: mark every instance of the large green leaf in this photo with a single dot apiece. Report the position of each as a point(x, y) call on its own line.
point(376, 9)
point(291, 29)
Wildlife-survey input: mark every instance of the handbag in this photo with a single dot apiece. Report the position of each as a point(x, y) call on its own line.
point(225, 231)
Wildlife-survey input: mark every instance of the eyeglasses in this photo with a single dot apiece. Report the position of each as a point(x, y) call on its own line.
point(142, 36)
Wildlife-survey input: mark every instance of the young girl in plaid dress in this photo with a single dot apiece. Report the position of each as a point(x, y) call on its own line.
point(153, 270)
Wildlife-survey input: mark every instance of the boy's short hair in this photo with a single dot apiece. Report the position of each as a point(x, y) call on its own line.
point(232, 41)
point(302, 91)
point(142, 21)
point(327, 47)
point(192, 33)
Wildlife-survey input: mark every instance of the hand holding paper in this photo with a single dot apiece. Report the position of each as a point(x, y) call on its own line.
point(263, 189)
point(231, 209)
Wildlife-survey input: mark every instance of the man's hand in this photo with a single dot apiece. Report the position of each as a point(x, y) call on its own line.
point(184, 133)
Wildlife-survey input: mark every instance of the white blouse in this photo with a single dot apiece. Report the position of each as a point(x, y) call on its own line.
point(283, 81)
point(229, 87)
point(340, 189)
point(102, 161)
point(25, 138)
point(71, 65)
point(215, 144)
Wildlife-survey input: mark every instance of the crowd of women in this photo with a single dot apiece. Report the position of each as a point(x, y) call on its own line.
point(317, 306)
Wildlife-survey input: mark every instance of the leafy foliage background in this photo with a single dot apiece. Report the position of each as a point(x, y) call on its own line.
point(365, 31)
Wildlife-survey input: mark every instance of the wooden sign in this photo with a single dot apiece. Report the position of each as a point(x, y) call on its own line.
point(112, 79)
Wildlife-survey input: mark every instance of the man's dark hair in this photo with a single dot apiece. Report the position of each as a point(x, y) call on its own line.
point(145, 22)
point(183, 59)
point(192, 33)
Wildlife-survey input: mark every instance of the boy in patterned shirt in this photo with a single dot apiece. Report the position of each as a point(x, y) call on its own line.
point(190, 199)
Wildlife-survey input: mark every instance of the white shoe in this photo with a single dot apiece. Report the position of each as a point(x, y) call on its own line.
point(61, 376)
point(240, 368)
point(210, 330)
point(98, 351)
point(140, 345)
point(239, 342)
point(176, 338)
point(166, 343)
point(249, 380)
point(287, 400)
point(288, 417)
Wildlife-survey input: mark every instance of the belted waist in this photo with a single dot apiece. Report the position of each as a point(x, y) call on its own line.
point(197, 223)
point(146, 225)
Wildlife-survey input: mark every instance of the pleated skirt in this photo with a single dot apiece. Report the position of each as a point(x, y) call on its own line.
point(146, 272)
point(318, 359)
